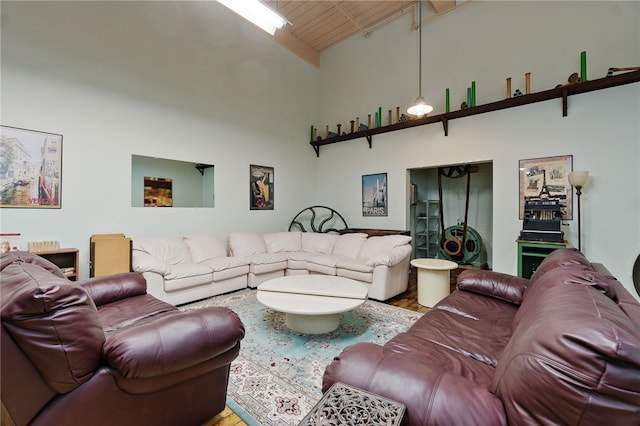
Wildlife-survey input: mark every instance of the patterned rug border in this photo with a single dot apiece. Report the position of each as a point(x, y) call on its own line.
point(277, 377)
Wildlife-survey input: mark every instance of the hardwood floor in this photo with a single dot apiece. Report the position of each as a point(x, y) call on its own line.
point(406, 300)
point(226, 418)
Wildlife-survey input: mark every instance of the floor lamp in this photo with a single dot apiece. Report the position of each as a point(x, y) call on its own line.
point(578, 180)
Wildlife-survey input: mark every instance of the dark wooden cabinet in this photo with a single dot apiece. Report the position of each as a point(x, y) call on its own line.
point(66, 259)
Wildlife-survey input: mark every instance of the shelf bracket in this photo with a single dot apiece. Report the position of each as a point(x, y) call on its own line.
point(202, 167)
point(368, 136)
point(565, 102)
point(316, 148)
point(445, 125)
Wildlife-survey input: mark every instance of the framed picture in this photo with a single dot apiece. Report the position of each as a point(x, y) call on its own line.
point(9, 242)
point(547, 178)
point(261, 187)
point(158, 192)
point(374, 195)
point(30, 168)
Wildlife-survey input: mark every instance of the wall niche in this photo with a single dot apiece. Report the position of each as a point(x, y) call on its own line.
point(161, 182)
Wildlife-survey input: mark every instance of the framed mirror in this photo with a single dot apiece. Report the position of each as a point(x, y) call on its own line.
point(161, 182)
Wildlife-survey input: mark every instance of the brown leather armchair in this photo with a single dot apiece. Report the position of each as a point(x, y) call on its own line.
point(104, 352)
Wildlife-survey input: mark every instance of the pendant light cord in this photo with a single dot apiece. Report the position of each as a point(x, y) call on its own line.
point(420, 107)
point(420, 49)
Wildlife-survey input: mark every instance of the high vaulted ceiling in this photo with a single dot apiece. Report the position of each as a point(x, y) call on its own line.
point(316, 25)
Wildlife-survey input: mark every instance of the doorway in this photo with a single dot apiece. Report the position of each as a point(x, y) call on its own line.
point(425, 208)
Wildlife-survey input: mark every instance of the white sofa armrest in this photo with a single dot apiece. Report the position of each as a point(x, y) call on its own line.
point(144, 262)
point(392, 258)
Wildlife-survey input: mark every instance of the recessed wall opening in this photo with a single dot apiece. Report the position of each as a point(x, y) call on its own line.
point(451, 212)
point(161, 182)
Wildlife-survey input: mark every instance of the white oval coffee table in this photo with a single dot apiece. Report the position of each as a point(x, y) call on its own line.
point(312, 303)
point(433, 279)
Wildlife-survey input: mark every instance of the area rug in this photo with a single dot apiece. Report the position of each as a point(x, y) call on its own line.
point(277, 377)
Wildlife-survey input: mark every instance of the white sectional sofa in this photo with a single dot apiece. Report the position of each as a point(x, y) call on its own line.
point(180, 270)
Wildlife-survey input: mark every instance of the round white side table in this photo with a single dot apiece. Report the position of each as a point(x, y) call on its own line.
point(433, 280)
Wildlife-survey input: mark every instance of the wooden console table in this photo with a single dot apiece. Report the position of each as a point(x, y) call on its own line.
point(374, 232)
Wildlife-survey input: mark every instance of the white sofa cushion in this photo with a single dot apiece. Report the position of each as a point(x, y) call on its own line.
point(232, 263)
point(375, 246)
point(348, 245)
point(205, 247)
point(315, 268)
point(354, 265)
point(296, 260)
point(392, 258)
point(316, 242)
point(364, 276)
point(172, 250)
point(355, 269)
point(141, 261)
point(244, 244)
point(321, 259)
point(282, 241)
point(267, 262)
point(254, 280)
point(322, 263)
point(178, 284)
point(233, 272)
point(186, 270)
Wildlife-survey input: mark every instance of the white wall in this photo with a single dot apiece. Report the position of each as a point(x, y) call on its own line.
point(183, 80)
point(487, 42)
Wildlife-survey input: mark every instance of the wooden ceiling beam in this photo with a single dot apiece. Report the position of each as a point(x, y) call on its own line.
point(298, 47)
point(443, 6)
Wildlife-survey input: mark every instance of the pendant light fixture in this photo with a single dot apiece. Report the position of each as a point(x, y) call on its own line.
point(420, 106)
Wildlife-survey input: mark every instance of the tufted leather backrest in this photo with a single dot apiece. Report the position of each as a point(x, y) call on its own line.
point(562, 258)
point(574, 353)
point(26, 257)
point(53, 321)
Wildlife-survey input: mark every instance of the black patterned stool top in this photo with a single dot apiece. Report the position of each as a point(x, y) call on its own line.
point(346, 405)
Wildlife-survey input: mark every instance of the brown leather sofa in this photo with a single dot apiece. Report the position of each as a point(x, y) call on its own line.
point(562, 348)
point(104, 352)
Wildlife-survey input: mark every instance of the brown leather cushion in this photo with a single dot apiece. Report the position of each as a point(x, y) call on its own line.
point(53, 321)
point(495, 284)
point(27, 257)
point(114, 287)
point(572, 352)
point(562, 258)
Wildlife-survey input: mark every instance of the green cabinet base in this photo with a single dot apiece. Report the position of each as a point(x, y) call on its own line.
point(532, 253)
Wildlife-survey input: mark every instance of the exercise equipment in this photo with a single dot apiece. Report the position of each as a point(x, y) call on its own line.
point(473, 251)
point(459, 243)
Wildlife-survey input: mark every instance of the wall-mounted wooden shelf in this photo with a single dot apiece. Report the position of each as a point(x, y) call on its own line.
point(562, 92)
